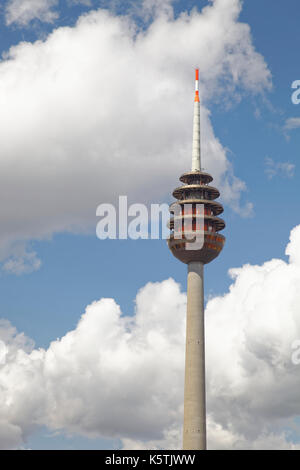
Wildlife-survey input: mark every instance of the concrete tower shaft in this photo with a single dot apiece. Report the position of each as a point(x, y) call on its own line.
point(194, 426)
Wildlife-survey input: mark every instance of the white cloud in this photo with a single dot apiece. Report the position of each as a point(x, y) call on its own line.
point(122, 377)
point(273, 168)
point(102, 109)
point(109, 376)
point(24, 262)
point(149, 9)
point(292, 123)
point(87, 3)
point(253, 385)
point(22, 12)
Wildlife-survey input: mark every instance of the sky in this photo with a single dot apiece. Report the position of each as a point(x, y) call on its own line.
point(96, 101)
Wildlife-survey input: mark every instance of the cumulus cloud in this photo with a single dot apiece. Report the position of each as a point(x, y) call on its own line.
point(273, 168)
point(22, 12)
point(110, 376)
point(253, 385)
point(105, 108)
point(121, 376)
point(149, 9)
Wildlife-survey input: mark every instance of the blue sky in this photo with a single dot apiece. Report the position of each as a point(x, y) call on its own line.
point(77, 268)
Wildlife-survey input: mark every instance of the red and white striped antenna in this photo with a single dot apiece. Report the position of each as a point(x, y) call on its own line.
point(197, 85)
point(196, 155)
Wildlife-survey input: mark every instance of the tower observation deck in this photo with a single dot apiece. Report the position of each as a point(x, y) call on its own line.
point(195, 240)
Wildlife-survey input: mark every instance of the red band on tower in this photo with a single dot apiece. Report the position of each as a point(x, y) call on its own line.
point(197, 85)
